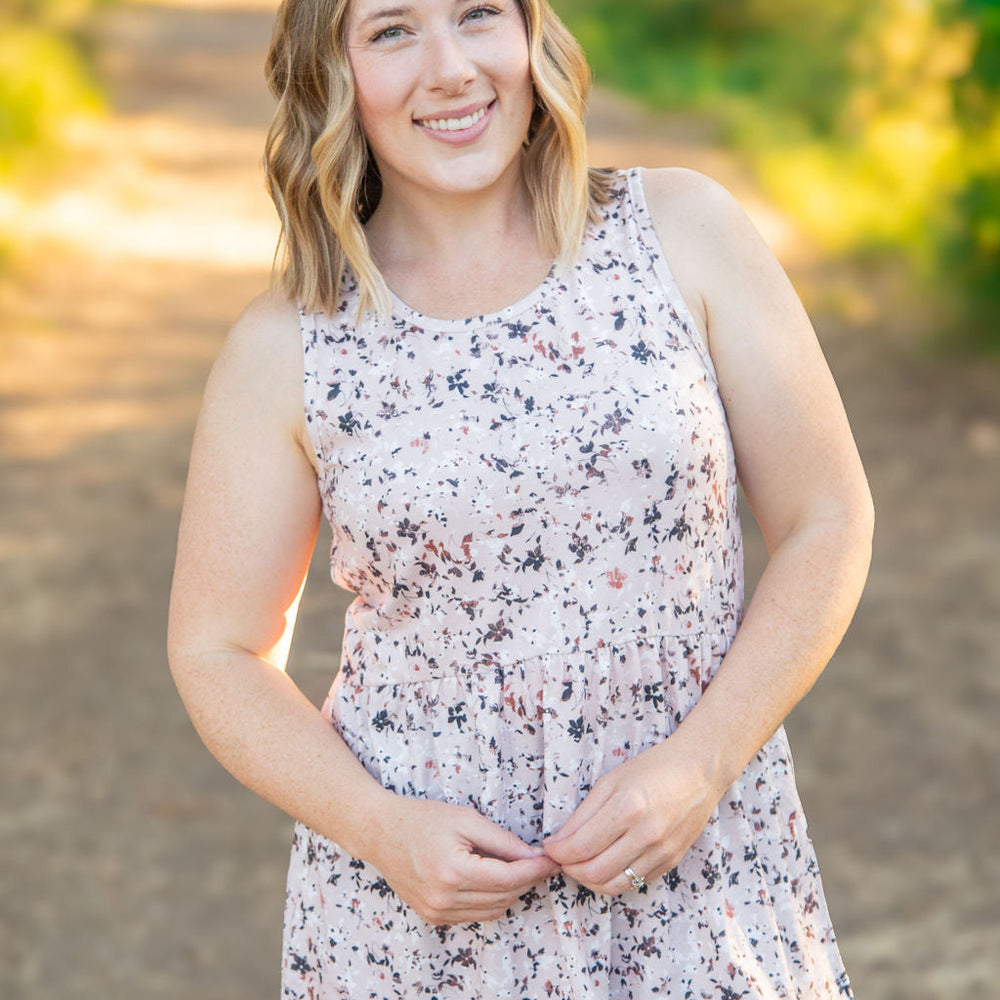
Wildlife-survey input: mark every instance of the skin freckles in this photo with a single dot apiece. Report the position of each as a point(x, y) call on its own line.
point(431, 63)
point(523, 659)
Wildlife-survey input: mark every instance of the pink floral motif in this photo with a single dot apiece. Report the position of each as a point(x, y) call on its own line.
point(492, 484)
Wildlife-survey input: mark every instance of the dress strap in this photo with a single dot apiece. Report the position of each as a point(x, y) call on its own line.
point(641, 229)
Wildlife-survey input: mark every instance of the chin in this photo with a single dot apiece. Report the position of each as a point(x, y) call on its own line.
point(471, 178)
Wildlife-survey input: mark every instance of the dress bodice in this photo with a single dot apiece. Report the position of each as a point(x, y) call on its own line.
point(547, 478)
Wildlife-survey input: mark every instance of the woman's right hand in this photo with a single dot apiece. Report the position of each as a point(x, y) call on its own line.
point(451, 864)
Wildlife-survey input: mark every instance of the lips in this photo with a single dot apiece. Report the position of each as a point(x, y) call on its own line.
point(459, 120)
point(453, 124)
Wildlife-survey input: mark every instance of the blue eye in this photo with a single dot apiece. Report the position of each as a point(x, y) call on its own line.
point(479, 13)
point(387, 34)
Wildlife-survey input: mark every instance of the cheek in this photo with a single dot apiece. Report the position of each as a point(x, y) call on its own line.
point(377, 94)
point(514, 67)
point(519, 82)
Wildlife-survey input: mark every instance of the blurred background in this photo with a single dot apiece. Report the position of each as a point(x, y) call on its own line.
point(863, 136)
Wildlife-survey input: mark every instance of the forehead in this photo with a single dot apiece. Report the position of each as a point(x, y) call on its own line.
point(395, 8)
point(364, 10)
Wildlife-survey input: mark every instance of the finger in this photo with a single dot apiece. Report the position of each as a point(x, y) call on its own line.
point(648, 867)
point(469, 907)
point(596, 835)
point(493, 875)
point(605, 866)
point(467, 915)
point(612, 879)
point(494, 841)
point(591, 804)
point(468, 899)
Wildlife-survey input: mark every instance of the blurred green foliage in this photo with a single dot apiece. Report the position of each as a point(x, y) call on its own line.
point(876, 123)
point(45, 80)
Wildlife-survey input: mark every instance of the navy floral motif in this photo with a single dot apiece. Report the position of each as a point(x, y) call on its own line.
point(537, 511)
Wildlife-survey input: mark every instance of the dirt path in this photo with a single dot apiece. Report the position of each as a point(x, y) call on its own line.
point(133, 866)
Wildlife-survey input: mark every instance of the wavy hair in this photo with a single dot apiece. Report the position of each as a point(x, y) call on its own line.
point(325, 183)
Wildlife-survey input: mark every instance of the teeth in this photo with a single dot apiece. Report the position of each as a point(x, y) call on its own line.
point(453, 124)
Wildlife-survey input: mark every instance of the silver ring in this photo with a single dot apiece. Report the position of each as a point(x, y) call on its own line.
point(638, 881)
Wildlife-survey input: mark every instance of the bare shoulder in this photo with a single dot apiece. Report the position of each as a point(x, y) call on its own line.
point(700, 218)
point(690, 204)
point(266, 331)
point(691, 213)
point(668, 187)
point(712, 246)
point(259, 368)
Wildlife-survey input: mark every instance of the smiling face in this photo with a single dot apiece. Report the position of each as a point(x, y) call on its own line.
point(443, 90)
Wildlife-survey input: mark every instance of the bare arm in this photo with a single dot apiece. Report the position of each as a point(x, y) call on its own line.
point(251, 514)
point(803, 478)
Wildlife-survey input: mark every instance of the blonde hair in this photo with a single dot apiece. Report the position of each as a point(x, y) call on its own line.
point(325, 184)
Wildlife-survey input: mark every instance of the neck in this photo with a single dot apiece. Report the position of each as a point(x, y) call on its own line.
point(414, 227)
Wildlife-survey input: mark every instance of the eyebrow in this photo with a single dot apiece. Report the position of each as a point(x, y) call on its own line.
point(389, 12)
point(384, 12)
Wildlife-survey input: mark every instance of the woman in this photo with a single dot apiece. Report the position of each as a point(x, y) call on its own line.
point(551, 764)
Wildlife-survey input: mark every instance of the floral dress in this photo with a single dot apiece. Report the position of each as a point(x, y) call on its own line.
point(538, 512)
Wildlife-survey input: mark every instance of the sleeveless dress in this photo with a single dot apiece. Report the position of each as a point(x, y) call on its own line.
point(538, 512)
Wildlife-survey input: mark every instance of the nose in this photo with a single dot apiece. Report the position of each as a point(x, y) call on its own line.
point(450, 68)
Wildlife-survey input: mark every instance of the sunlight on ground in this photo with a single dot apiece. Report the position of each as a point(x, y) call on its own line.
point(87, 357)
point(160, 186)
point(210, 4)
point(155, 188)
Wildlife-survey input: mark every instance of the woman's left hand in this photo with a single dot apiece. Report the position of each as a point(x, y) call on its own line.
point(644, 814)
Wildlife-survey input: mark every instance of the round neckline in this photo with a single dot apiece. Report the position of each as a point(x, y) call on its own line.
point(413, 317)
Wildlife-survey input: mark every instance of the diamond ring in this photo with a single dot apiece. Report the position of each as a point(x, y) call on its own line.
point(638, 881)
